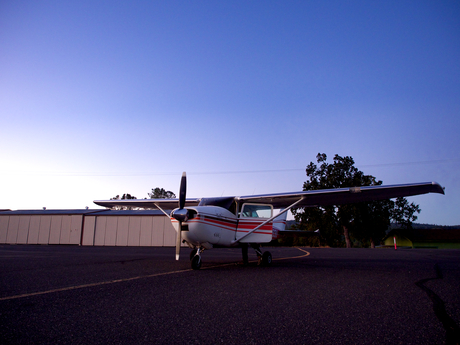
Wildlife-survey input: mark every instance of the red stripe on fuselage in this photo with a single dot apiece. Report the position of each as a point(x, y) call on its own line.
point(230, 224)
point(245, 226)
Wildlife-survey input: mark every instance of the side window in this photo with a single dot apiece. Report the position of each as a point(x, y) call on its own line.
point(256, 211)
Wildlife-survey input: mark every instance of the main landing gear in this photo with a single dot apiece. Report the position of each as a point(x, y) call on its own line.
point(264, 259)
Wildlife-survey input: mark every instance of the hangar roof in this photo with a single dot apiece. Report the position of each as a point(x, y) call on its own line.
point(131, 213)
point(100, 212)
point(49, 212)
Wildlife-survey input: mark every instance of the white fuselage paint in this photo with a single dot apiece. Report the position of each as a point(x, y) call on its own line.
point(215, 225)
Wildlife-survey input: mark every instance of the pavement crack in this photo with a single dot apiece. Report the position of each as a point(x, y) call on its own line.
point(439, 308)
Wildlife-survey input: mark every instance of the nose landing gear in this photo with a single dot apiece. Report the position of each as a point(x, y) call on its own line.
point(195, 258)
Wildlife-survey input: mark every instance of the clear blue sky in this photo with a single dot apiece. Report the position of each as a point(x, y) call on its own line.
point(99, 98)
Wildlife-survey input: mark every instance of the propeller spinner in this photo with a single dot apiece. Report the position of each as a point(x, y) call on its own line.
point(181, 214)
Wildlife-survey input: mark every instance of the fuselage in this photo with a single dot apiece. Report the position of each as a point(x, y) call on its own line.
point(209, 226)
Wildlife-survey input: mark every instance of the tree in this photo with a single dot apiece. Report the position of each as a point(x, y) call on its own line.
point(403, 213)
point(334, 222)
point(157, 193)
point(365, 222)
point(161, 193)
point(124, 197)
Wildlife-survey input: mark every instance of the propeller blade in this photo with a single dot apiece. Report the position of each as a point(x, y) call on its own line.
point(182, 190)
point(178, 240)
point(181, 214)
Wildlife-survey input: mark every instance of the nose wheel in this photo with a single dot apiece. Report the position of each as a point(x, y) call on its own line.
point(195, 258)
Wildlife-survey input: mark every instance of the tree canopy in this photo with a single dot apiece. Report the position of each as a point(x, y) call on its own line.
point(364, 222)
point(157, 193)
point(161, 193)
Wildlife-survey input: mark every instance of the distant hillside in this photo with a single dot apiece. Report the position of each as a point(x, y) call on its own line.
point(290, 223)
point(432, 226)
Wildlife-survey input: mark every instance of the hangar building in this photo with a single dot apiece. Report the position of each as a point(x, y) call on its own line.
point(87, 227)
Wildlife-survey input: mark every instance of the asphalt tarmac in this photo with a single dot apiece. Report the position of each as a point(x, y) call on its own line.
point(128, 295)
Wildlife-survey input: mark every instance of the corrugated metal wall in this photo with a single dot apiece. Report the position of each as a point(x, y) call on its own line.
point(88, 228)
point(100, 230)
point(40, 229)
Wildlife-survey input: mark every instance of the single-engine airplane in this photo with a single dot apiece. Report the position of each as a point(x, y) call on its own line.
point(204, 223)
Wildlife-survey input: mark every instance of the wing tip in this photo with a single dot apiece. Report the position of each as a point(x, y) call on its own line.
point(437, 188)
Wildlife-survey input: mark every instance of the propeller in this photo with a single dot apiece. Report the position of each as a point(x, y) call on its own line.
point(181, 214)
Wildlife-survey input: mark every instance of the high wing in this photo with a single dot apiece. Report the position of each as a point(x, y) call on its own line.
point(165, 204)
point(324, 197)
point(320, 197)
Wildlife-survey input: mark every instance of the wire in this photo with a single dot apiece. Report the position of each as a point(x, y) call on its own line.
point(229, 172)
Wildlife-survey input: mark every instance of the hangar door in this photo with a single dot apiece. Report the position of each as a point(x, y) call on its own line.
point(124, 230)
point(17, 228)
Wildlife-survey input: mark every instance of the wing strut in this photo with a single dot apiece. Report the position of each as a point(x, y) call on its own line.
point(269, 220)
point(167, 215)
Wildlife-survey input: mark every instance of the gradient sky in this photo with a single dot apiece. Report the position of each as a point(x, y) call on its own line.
point(99, 98)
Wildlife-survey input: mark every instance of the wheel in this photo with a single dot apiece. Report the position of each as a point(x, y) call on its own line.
point(266, 259)
point(196, 262)
point(192, 253)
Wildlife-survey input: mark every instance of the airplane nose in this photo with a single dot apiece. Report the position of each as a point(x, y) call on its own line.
point(180, 214)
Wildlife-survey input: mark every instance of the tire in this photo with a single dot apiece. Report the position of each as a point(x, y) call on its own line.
point(266, 259)
point(196, 262)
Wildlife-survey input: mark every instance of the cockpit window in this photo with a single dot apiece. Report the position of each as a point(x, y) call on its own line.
point(256, 211)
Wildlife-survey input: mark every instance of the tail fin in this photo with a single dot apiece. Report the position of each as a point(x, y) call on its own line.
point(279, 224)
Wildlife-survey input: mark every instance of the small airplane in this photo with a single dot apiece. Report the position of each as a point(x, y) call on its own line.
point(204, 223)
